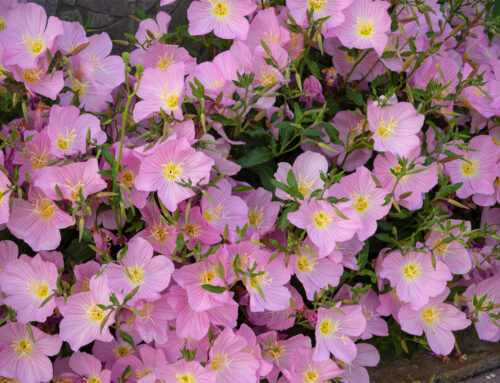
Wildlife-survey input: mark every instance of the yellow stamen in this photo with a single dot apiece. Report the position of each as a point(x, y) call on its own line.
point(214, 214)
point(185, 378)
point(255, 217)
point(365, 28)
point(327, 327)
point(317, 5)
point(207, 276)
point(39, 289)
point(32, 76)
point(431, 315)
point(172, 171)
point(469, 169)
point(128, 178)
point(322, 219)
point(305, 265)
point(311, 375)
point(159, 233)
point(384, 129)
point(64, 141)
point(95, 313)
point(361, 203)
point(23, 347)
point(220, 8)
point(35, 45)
point(122, 350)
point(220, 361)
point(44, 208)
point(136, 274)
point(191, 230)
point(164, 62)
point(276, 351)
point(304, 185)
point(411, 271)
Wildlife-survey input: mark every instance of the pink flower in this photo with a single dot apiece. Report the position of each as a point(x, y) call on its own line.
point(368, 200)
point(29, 35)
point(83, 273)
point(333, 332)
point(37, 221)
point(374, 324)
point(307, 369)
point(82, 317)
point(229, 358)
point(367, 25)
point(477, 169)
point(138, 268)
point(155, 27)
point(25, 359)
point(196, 229)
point(355, 371)
point(183, 371)
point(161, 236)
point(325, 227)
point(90, 367)
point(265, 26)
point(68, 131)
point(144, 370)
point(160, 90)
point(226, 18)
point(313, 92)
point(38, 81)
point(161, 56)
point(437, 320)
point(307, 168)
point(414, 277)
point(321, 8)
point(28, 282)
point(153, 323)
point(262, 212)
point(172, 162)
point(5, 194)
point(37, 154)
point(395, 127)
point(74, 35)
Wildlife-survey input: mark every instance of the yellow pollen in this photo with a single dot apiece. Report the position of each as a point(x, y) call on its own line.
point(431, 315)
point(259, 280)
point(497, 181)
point(146, 310)
point(411, 271)
point(317, 5)
point(311, 375)
point(271, 37)
point(276, 351)
point(64, 141)
point(365, 28)
point(327, 327)
point(86, 284)
point(217, 84)
point(220, 8)
point(255, 217)
point(172, 171)
point(172, 101)
point(2, 194)
point(495, 139)
point(45, 208)
point(9, 380)
point(95, 313)
point(360, 204)
point(305, 265)
point(74, 190)
point(185, 378)
point(384, 129)
point(304, 185)
point(268, 78)
point(220, 361)
point(39, 289)
point(469, 169)
point(3, 24)
point(136, 274)
point(207, 277)
point(32, 76)
point(322, 219)
point(191, 230)
point(122, 350)
point(81, 88)
point(349, 58)
point(159, 232)
point(165, 62)
point(92, 379)
point(128, 178)
point(441, 248)
point(38, 159)
point(213, 214)
point(35, 45)
point(23, 347)
point(143, 373)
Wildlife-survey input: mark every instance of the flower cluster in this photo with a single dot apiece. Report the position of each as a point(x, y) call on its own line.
point(269, 194)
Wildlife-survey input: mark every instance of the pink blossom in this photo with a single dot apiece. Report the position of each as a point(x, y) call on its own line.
point(226, 18)
point(156, 28)
point(262, 212)
point(153, 323)
point(196, 229)
point(313, 91)
point(172, 162)
point(265, 26)
point(84, 273)
point(183, 371)
point(146, 369)
point(414, 277)
point(161, 236)
point(23, 358)
point(74, 35)
point(90, 367)
point(138, 268)
point(374, 324)
point(323, 8)
point(161, 56)
point(333, 332)
point(355, 371)
point(307, 367)
point(38, 81)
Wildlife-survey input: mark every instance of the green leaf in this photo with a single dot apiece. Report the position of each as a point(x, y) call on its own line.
point(127, 338)
point(355, 96)
point(214, 289)
point(448, 190)
point(255, 157)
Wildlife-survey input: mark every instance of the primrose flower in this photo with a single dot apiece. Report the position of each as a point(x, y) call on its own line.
point(306, 168)
point(186, 372)
point(82, 317)
point(333, 332)
point(368, 200)
point(160, 90)
point(29, 35)
point(414, 277)
point(437, 320)
point(37, 222)
point(325, 226)
point(28, 282)
point(374, 324)
point(153, 323)
point(5, 194)
point(226, 18)
point(196, 228)
point(144, 369)
point(172, 162)
point(25, 359)
point(139, 268)
point(38, 81)
point(355, 371)
point(161, 56)
point(71, 180)
point(229, 358)
point(153, 29)
point(68, 130)
point(395, 127)
point(477, 169)
point(367, 25)
point(306, 369)
point(262, 212)
point(74, 35)
point(265, 26)
point(90, 367)
point(321, 8)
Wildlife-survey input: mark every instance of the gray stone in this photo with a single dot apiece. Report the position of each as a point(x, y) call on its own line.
point(100, 20)
point(107, 7)
point(71, 15)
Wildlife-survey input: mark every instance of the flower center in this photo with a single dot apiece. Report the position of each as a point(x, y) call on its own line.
point(384, 129)
point(276, 351)
point(220, 8)
point(360, 204)
point(213, 214)
point(191, 230)
point(3, 24)
point(304, 265)
point(23, 347)
point(128, 178)
point(35, 46)
point(431, 315)
point(207, 277)
point(136, 274)
point(327, 327)
point(185, 378)
point(317, 5)
point(31, 76)
point(365, 28)
point(304, 185)
point(92, 379)
point(259, 280)
point(39, 289)
point(322, 219)
point(311, 375)
point(95, 313)
point(441, 248)
point(255, 216)
point(74, 190)
point(122, 350)
point(38, 159)
point(146, 310)
point(44, 208)
point(411, 271)
point(159, 233)
point(143, 373)
point(64, 142)
point(469, 168)
point(81, 88)
point(220, 361)
point(165, 62)
point(268, 78)
point(172, 171)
